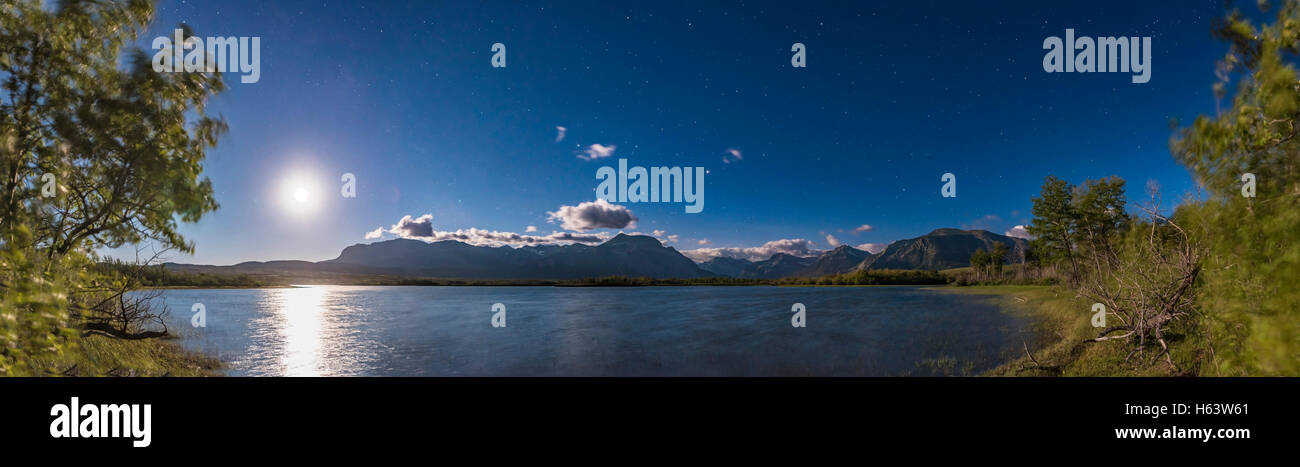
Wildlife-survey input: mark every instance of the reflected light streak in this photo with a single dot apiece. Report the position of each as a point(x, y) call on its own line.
point(303, 310)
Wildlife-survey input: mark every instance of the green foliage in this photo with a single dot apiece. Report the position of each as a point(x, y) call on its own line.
point(989, 262)
point(998, 257)
point(1218, 276)
point(1053, 224)
point(34, 321)
point(124, 146)
point(1068, 218)
point(1013, 274)
point(872, 277)
point(1248, 288)
point(980, 259)
point(1142, 273)
point(1099, 212)
point(1060, 327)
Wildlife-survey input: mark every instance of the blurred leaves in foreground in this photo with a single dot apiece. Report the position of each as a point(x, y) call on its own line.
point(96, 150)
point(1250, 297)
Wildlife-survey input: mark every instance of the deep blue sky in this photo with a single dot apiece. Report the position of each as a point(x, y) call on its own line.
point(402, 94)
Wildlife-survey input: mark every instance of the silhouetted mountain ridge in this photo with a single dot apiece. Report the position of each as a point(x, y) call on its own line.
point(623, 255)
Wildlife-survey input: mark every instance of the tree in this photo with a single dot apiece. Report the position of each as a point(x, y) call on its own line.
point(1099, 215)
point(1031, 256)
point(121, 145)
point(1146, 278)
point(1249, 293)
point(979, 261)
point(125, 146)
point(1054, 223)
point(998, 256)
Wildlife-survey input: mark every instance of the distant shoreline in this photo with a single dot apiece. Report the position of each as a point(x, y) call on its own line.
point(167, 279)
point(218, 287)
point(296, 286)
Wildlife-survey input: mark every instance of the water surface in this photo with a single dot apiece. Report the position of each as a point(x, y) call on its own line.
point(582, 331)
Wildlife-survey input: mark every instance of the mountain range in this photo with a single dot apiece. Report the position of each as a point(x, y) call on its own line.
point(623, 255)
point(938, 250)
point(946, 249)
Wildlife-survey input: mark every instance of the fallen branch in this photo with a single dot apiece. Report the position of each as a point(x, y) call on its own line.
point(1037, 365)
point(109, 331)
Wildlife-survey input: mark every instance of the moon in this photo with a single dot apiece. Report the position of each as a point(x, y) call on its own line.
point(297, 194)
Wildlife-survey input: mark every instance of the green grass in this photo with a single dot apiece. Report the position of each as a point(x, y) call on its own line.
point(1011, 274)
point(96, 355)
point(1060, 322)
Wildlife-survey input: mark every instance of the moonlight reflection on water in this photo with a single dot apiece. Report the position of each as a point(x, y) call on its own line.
point(598, 331)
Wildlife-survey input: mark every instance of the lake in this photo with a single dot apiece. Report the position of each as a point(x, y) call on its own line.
point(597, 331)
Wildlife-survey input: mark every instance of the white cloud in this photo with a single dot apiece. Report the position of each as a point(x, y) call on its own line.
point(418, 227)
point(873, 248)
point(732, 155)
point(834, 242)
point(599, 214)
point(482, 237)
point(703, 241)
point(559, 133)
point(863, 228)
point(1019, 232)
point(672, 238)
point(796, 247)
point(597, 151)
point(531, 228)
point(421, 228)
point(658, 233)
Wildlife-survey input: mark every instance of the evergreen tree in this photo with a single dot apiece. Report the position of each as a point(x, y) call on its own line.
point(1054, 223)
point(998, 256)
point(979, 261)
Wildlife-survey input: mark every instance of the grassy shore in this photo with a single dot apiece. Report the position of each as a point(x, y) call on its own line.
point(96, 355)
point(1060, 324)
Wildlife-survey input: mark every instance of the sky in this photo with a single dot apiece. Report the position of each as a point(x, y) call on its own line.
point(849, 149)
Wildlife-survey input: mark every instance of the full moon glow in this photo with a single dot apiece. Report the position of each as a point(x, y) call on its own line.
point(296, 195)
